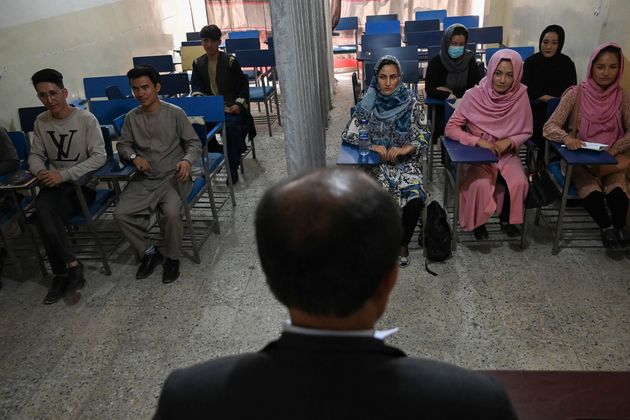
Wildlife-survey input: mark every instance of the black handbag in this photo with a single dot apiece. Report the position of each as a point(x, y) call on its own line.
point(542, 190)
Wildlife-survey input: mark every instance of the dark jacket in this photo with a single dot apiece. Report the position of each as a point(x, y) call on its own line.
point(315, 377)
point(436, 77)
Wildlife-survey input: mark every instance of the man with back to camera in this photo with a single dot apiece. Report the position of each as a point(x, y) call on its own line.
point(328, 242)
point(162, 144)
point(218, 73)
point(67, 144)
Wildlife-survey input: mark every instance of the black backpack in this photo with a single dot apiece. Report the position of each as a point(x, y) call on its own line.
point(437, 235)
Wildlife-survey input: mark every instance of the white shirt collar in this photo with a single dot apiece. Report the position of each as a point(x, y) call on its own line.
point(379, 334)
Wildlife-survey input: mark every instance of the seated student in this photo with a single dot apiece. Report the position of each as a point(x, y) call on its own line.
point(218, 73)
point(328, 243)
point(494, 115)
point(394, 115)
point(67, 144)
point(602, 115)
point(547, 74)
point(452, 72)
point(162, 144)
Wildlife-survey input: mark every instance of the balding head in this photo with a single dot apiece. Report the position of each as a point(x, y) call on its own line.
point(327, 239)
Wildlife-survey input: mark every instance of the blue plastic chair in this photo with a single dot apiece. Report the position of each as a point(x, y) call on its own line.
point(381, 18)
point(525, 52)
point(424, 39)
point(469, 21)
point(401, 53)
point(162, 63)
point(174, 84)
point(244, 34)
point(421, 26)
point(486, 35)
point(379, 27)
point(94, 87)
point(371, 42)
point(192, 36)
point(28, 115)
point(233, 45)
point(431, 14)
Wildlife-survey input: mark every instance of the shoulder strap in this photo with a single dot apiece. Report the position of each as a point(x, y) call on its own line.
point(576, 111)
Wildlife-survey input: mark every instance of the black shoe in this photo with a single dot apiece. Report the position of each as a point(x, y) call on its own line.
point(148, 264)
point(480, 232)
point(76, 280)
point(623, 236)
point(610, 239)
point(511, 230)
point(57, 290)
point(170, 272)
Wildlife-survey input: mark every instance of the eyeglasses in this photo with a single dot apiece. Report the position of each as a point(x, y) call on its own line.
point(387, 78)
point(52, 94)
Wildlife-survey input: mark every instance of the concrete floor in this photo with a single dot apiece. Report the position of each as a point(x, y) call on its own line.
point(105, 353)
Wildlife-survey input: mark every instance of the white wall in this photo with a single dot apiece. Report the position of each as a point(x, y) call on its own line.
point(81, 38)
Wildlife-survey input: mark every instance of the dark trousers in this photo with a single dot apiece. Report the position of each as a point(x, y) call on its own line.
point(236, 128)
point(410, 217)
point(617, 204)
point(55, 206)
point(504, 216)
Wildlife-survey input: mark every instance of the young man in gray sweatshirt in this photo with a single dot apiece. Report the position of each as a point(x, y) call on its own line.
point(67, 144)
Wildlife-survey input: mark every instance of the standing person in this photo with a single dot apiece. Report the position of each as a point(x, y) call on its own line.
point(494, 115)
point(547, 74)
point(328, 243)
point(395, 118)
point(602, 116)
point(452, 72)
point(218, 73)
point(70, 142)
point(162, 144)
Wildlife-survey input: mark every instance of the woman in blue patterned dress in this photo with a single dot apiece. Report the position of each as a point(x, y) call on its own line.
point(397, 126)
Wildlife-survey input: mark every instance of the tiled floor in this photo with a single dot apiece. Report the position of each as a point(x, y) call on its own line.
point(105, 354)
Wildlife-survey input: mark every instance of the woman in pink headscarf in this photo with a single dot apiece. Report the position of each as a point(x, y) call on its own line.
point(603, 116)
point(495, 115)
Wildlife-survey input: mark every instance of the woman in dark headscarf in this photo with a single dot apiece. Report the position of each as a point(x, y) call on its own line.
point(395, 117)
point(453, 71)
point(547, 74)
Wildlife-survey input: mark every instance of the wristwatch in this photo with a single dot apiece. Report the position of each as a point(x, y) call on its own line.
point(132, 156)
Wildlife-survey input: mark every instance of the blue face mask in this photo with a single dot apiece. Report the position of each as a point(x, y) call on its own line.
point(455, 52)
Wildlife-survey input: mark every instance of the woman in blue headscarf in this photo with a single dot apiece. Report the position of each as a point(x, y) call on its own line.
point(397, 126)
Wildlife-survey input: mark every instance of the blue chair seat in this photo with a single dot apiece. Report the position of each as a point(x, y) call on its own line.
point(251, 74)
point(554, 168)
point(214, 160)
point(102, 196)
point(198, 184)
point(257, 94)
point(344, 49)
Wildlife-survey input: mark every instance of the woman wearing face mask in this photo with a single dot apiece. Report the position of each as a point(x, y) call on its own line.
point(547, 74)
point(494, 115)
point(602, 116)
point(450, 73)
point(394, 119)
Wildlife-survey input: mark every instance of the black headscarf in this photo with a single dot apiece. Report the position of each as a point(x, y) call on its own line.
point(557, 29)
point(457, 77)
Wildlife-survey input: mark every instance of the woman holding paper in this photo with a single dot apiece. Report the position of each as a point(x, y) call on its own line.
point(599, 111)
point(494, 115)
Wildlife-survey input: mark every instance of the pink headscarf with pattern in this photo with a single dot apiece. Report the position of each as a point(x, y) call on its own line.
point(600, 110)
point(501, 115)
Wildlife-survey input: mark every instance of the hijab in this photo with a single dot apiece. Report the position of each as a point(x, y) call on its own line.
point(501, 115)
point(457, 77)
point(600, 109)
point(394, 108)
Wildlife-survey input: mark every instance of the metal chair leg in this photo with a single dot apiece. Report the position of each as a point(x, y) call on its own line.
point(563, 203)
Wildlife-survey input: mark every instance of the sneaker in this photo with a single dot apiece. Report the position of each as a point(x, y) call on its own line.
point(510, 229)
point(623, 236)
point(610, 239)
point(403, 261)
point(170, 273)
point(76, 280)
point(57, 289)
point(148, 264)
point(481, 232)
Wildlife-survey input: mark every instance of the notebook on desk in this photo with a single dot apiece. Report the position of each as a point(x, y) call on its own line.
point(588, 145)
point(18, 179)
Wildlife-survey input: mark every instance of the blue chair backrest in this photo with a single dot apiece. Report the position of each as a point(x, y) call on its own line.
point(18, 138)
point(107, 138)
point(347, 24)
point(256, 58)
point(211, 108)
point(424, 39)
point(192, 43)
point(487, 35)
point(95, 86)
point(28, 116)
point(192, 36)
point(240, 44)
point(244, 34)
point(113, 92)
point(377, 18)
point(106, 111)
point(270, 43)
point(376, 27)
point(162, 63)
point(469, 21)
point(552, 104)
point(435, 50)
point(431, 14)
point(371, 42)
point(410, 70)
point(174, 84)
point(448, 112)
point(118, 123)
point(525, 52)
point(422, 25)
point(401, 53)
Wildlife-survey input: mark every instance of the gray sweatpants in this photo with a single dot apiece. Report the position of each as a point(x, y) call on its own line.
point(141, 199)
